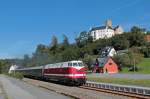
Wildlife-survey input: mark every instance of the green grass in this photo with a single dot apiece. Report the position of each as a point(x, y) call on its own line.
point(144, 66)
point(122, 81)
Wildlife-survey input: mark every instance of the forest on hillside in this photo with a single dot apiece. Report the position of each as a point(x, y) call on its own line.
point(86, 50)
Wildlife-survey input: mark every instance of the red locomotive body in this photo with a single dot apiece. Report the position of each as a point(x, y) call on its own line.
point(72, 72)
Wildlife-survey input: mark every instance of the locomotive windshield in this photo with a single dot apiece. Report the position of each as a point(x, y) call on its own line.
point(74, 64)
point(80, 64)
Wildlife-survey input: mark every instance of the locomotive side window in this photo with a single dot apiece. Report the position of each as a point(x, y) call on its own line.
point(70, 64)
point(75, 64)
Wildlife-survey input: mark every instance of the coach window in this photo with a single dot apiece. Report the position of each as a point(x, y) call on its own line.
point(61, 65)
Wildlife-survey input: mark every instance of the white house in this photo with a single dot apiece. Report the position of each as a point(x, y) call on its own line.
point(108, 52)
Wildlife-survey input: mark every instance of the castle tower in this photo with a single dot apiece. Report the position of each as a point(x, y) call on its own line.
point(108, 23)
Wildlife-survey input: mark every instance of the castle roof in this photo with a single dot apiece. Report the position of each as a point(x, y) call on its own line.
point(101, 28)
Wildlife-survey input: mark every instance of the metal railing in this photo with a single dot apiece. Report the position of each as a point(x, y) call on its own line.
point(120, 88)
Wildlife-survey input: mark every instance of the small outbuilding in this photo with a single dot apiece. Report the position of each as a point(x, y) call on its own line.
point(105, 65)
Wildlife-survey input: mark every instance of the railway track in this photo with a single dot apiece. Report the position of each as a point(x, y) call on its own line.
point(129, 91)
point(114, 89)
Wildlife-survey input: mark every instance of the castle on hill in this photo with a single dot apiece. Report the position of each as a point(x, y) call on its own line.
point(105, 31)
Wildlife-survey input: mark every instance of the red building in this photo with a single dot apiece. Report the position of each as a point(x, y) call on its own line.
point(147, 38)
point(105, 65)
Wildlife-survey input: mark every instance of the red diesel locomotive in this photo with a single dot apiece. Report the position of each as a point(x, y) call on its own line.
point(71, 72)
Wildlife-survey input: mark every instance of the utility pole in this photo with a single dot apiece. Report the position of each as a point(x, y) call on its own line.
point(134, 64)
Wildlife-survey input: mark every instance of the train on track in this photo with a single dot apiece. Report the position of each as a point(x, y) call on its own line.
point(71, 72)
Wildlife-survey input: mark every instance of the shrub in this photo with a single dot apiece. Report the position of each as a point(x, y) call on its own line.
point(16, 75)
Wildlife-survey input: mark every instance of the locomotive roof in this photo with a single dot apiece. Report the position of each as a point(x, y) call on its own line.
point(75, 61)
point(66, 62)
point(61, 64)
point(40, 67)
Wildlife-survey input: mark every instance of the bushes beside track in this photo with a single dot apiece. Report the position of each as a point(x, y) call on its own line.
point(16, 75)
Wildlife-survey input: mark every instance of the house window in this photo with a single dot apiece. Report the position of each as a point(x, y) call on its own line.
point(94, 34)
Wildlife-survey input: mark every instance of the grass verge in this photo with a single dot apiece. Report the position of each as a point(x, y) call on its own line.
point(122, 81)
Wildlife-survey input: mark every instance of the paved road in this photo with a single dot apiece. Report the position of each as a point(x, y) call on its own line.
point(2, 95)
point(16, 89)
point(130, 76)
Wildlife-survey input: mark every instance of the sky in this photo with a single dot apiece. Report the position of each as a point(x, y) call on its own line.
point(26, 23)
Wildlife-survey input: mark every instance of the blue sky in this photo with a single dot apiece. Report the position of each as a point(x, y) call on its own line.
point(26, 23)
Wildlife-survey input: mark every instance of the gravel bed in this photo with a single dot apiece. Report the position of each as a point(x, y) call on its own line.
point(75, 92)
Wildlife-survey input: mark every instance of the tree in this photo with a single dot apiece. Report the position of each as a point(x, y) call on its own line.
point(54, 41)
point(41, 59)
point(64, 44)
point(71, 53)
point(82, 40)
point(146, 50)
point(130, 59)
point(5, 65)
point(136, 29)
point(65, 40)
point(120, 42)
point(136, 37)
point(89, 60)
point(25, 62)
point(89, 38)
point(41, 48)
point(54, 45)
